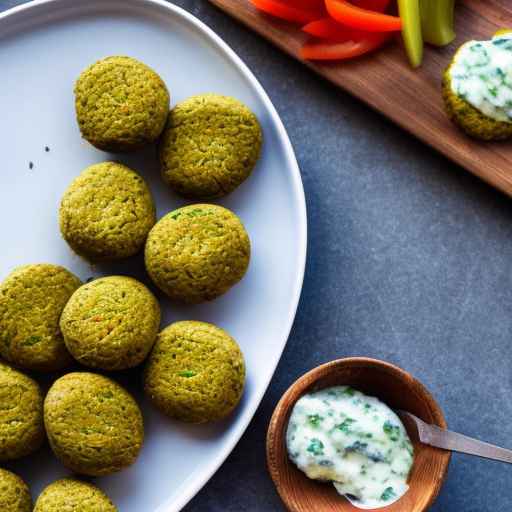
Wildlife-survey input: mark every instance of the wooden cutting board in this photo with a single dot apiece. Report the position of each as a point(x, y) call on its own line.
point(411, 98)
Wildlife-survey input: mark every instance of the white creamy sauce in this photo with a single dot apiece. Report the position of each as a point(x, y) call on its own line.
point(339, 434)
point(482, 75)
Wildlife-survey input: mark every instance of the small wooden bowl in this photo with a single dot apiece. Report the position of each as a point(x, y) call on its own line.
point(396, 388)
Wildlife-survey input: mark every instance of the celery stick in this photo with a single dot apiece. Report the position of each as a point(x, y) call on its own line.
point(409, 11)
point(437, 21)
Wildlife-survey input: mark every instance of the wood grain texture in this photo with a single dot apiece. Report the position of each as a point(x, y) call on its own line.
point(411, 98)
point(396, 388)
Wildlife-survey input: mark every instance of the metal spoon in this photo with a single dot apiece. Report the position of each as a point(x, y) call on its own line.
point(439, 438)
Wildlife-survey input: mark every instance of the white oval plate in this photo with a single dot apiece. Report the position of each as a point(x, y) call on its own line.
point(44, 45)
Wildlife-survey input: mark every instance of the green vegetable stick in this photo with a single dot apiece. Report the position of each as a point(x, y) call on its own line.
point(437, 21)
point(411, 30)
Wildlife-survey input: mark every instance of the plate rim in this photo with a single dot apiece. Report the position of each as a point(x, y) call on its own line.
point(192, 486)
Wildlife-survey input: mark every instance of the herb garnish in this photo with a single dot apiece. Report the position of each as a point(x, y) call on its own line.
point(388, 494)
point(345, 426)
point(187, 373)
point(315, 419)
point(31, 340)
point(316, 447)
point(392, 431)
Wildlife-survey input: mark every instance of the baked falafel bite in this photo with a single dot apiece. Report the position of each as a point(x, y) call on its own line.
point(111, 323)
point(32, 298)
point(94, 426)
point(210, 145)
point(21, 418)
point(71, 495)
point(106, 213)
point(195, 373)
point(121, 104)
point(197, 253)
point(14, 493)
point(477, 87)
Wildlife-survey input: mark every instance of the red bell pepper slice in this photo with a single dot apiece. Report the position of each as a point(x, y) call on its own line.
point(312, 5)
point(372, 5)
point(344, 50)
point(327, 28)
point(286, 12)
point(318, 5)
point(362, 19)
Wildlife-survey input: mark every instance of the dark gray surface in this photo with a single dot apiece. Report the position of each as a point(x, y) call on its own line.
point(409, 261)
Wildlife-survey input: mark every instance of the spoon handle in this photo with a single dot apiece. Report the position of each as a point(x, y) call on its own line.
point(435, 436)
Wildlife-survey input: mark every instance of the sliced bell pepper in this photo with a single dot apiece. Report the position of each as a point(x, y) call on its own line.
point(362, 19)
point(372, 5)
point(327, 28)
point(411, 30)
point(344, 50)
point(312, 5)
point(286, 12)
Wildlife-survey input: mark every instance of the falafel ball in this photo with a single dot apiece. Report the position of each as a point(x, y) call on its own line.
point(32, 298)
point(195, 373)
point(106, 213)
point(94, 426)
point(197, 253)
point(121, 104)
point(71, 495)
point(111, 323)
point(14, 493)
point(210, 146)
point(21, 418)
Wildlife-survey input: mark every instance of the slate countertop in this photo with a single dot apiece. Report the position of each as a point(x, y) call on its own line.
point(409, 261)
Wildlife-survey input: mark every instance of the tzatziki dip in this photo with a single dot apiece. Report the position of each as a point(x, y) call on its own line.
point(481, 74)
point(356, 441)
